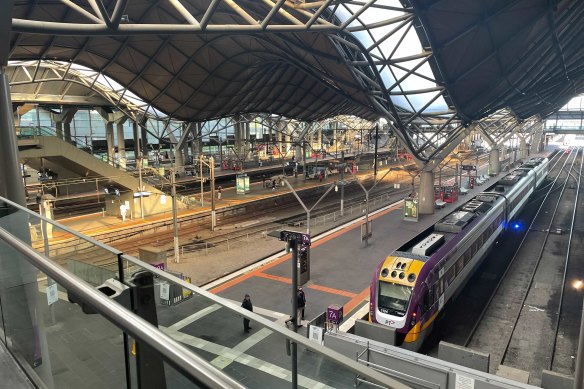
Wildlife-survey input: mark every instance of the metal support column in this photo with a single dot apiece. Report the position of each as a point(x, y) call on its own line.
point(19, 279)
point(136, 136)
point(343, 167)
point(11, 185)
point(494, 162)
point(109, 137)
point(174, 215)
point(246, 144)
point(294, 247)
point(121, 141)
point(426, 193)
point(375, 154)
point(212, 173)
point(144, 139)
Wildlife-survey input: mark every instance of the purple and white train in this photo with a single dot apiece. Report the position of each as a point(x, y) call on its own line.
point(414, 283)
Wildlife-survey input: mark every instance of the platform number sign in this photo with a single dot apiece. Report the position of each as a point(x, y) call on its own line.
point(335, 313)
point(299, 237)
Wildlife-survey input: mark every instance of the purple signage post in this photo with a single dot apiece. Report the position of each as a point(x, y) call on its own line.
point(159, 265)
point(334, 313)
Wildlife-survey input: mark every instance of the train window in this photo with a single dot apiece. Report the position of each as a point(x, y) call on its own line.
point(441, 287)
point(467, 257)
point(393, 298)
point(450, 276)
point(434, 294)
point(426, 301)
point(459, 265)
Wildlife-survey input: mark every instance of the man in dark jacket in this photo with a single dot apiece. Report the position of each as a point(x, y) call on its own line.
point(246, 304)
point(301, 303)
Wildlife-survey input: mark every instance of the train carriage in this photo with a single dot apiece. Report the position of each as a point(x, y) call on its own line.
point(413, 284)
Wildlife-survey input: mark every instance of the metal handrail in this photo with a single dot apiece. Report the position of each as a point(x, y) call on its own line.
point(334, 356)
point(115, 252)
point(337, 357)
point(182, 359)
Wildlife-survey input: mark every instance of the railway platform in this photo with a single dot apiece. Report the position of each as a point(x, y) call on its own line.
point(262, 269)
point(341, 269)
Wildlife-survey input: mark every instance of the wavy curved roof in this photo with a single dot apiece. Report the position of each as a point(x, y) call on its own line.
point(422, 64)
point(523, 55)
point(198, 77)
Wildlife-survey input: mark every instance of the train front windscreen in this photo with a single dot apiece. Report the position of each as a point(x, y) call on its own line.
point(393, 299)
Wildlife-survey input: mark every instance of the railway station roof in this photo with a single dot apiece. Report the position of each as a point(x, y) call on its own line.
point(61, 83)
point(522, 55)
point(417, 63)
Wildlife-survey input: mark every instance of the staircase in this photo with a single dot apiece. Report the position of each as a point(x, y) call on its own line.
point(78, 161)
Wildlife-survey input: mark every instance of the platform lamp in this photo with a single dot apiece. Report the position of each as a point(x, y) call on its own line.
point(210, 163)
point(141, 186)
point(579, 373)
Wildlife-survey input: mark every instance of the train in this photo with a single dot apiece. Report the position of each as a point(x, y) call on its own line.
point(413, 284)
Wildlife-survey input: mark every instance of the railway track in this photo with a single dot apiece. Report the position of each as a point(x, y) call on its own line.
point(194, 230)
point(525, 306)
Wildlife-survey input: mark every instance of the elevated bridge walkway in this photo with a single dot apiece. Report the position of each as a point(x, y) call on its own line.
point(577, 130)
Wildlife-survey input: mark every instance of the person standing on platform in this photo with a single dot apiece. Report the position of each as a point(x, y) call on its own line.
point(219, 192)
point(123, 211)
point(246, 304)
point(301, 302)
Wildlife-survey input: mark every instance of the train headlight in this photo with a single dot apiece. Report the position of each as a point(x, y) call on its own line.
point(413, 320)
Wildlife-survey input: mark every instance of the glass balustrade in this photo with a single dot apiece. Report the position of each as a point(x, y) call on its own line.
point(66, 340)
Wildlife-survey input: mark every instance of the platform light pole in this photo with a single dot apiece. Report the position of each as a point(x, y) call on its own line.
point(213, 215)
point(174, 214)
point(141, 186)
point(368, 233)
point(343, 167)
point(201, 177)
point(304, 206)
point(211, 165)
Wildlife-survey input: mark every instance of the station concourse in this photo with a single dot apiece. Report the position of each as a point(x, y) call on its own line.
point(172, 116)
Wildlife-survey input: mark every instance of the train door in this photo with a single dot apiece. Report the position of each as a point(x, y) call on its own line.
point(426, 311)
point(441, 289)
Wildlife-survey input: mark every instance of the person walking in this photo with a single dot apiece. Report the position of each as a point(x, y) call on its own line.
point(219, 190)
point(301, 302)
point(246, 304)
